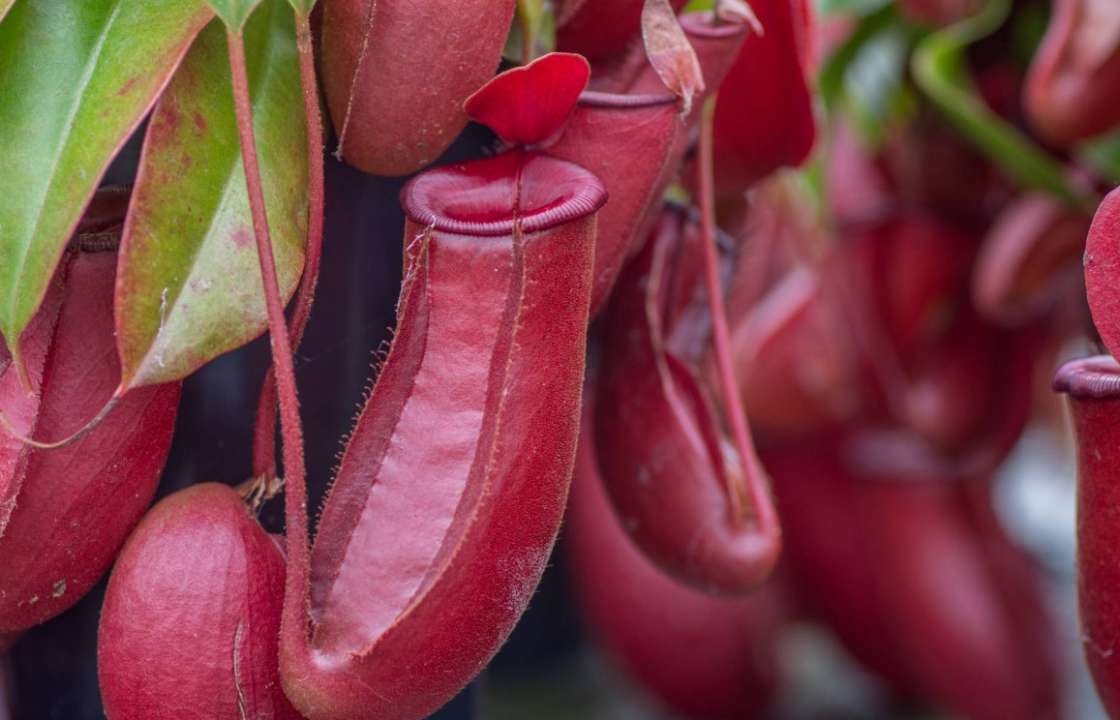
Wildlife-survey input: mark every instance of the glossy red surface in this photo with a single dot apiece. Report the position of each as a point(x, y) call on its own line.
point(396, 73)
point(764, 114)
point(191, 617)
point(1102, 270)
point(485, 197)
point(626, 141)
point(530, 104)
point(664, 456)
point(450, 493)
point(1093, 386)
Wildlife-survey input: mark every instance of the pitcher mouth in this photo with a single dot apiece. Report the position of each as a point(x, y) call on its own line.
point(486, 197)
point(595, 98)
point(1091, 378)
point(699, 24)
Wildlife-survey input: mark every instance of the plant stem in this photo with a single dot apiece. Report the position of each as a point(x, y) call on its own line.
point(278, 330)
point(264, 439)
point(754, 473)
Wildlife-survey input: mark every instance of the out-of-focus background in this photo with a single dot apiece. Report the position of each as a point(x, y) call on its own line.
point(887, 153)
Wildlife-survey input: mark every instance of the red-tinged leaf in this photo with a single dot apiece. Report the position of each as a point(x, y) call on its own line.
point(1102, 271)
point(665, 458)
point(530, 105)
point(413, 586)
point(189, 287)
point(396, 73)
point(764, 114)
point(1093, 385)
point(199, 586)
point(1076, 72)
point(76, 79)
point(91, 493)
point(234, 13)
point(643, 617)
point(670, 53)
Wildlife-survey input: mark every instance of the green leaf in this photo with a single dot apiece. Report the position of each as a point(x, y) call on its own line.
point(303, 7)
point(940, 69)
point(831, 80)
point(5, 6)
point(865, 77)
point(188, 284)
point(534, 25)
point(876, 93)
point(76, 78)
point(234, 13)
point(850, 7)
point(1103, 155)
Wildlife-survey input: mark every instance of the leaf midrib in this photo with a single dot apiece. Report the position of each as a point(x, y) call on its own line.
point(263, 84)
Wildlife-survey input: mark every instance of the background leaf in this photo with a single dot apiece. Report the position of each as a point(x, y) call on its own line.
point(76, 78)
point(303, 7)
point(830, 81)
point(188, 286)
point(1103, 155)
point(877, 96)
point(940, 70)
point(865, 76)
point(849, 7)
point(234, 13)
point(536, 24)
